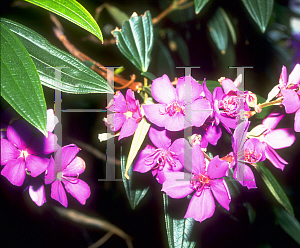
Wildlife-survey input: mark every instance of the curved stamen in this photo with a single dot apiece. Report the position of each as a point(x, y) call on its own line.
point(161, 156)
point(251, 156)
point(71, 179)
point(199, 182)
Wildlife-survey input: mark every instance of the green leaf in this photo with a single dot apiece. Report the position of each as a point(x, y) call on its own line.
point(218, 31)
point(148, 75)
point(20, 83)
point(178, 229)
point(135, 40)
point(229, 25)
point(274, 187)
point(288, 223)
point(77, 79)
point(260, 11)
point(118, 15)
point(72, 11)
point(199, 4)
point(134, 194)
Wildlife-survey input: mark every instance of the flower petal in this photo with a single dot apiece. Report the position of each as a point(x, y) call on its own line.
point(41, 145)
point(52, 120)
point(280, 138)
point(228, 85)
point(290, 101)
point(19, 133)
point(130, 101)
point(213, 134)
point(245, 174)
point(79, 190)
point(118, 104)
point(221, 192)
point(64, 156)
point(37, 191)
point(129, 127)
point(162, 90)
point(283, 77)
point(156, 113)
point(160, 137)
point(58, 193)
point(294, 77)
point(201, 110)
point(176, 122)
point(75, 168)
point(144, 162)
point(272, 120)
point(217, 168)
point(196, 89)
point(201, 207)
point(178, 145)
point(274, 158)
point(8, 151)
point(14, 171)
point(208, 94)
point(116, 121)
point(177, 184)
point(297, 121)
point(36, 165)
point(51, 172)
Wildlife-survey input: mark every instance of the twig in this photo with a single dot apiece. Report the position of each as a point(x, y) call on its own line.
point(102, 240)
point(81, 218)
point(97, 67)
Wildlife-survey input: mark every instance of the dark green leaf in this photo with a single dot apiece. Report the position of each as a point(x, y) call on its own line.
point(274, 187)
point(20, 83)
point(260, 11)
point(178, 230)
point(133, 192)
point(218, 31)
point(118, 15)
point(148, 75)
point(288, 223)
point(199, 4)
point(135, 40)
point(72, 11)
point(76, 79)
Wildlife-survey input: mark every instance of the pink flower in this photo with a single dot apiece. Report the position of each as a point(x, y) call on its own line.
point(171, 110)
point(127, 114)
point(66, 168)
point(205, 182)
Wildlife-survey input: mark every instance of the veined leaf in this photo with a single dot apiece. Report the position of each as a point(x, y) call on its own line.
point(72, 11)
point(274, 187)
point(137, 141)
point(134, 195)
point(178, 230)
point(20, 83)
point(199, 4)
point(76, 79)
point(218, 31)
point(288, 223)
point(260, 11)
point(135, 40)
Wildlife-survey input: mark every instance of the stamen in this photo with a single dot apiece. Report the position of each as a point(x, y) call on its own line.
point(251, 156)
point(230, 105)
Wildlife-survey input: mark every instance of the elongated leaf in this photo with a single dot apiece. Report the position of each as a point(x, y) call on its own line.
point(260, 11)
point(148, 75)
point(76, 79)
point(178, 230)
point(20, 83)
point(134, 194)
point(274, 187)
point(137, 141)
point(118, 15)
point(229, 25)
point(288, 223)
point(199, 4)
point(135, 40)
point(72, 11)
point(218, 31)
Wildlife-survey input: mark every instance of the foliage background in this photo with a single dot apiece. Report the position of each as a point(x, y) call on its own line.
point(26, 224)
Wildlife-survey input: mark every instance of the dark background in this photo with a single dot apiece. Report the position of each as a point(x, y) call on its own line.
point(25, 224)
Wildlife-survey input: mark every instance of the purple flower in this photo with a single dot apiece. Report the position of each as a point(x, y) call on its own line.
point(36, 190)
point(246, 151)
point(225, 106)
point(206, 182)
point(24, 152)
point(163, 158)
point(171, 109)
point(127, 113)
point(66, 168)
point(273, 139)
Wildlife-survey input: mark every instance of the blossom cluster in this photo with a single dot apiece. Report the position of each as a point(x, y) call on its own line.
point(183, 166)
point(25, 161)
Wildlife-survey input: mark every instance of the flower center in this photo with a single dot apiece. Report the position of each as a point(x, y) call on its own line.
point(161, 157)
point(71, 179)
point(251, 156)
point(128, 114)
point(198, 182)
point(230, 105)
point(24, 154)
point(174, 107)
point(59, 176)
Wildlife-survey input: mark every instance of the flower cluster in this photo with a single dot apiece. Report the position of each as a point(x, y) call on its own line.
point(181, 164)
point(25, 157)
